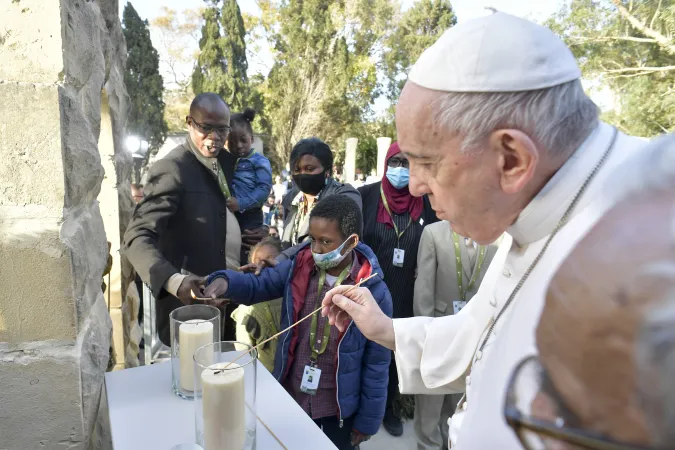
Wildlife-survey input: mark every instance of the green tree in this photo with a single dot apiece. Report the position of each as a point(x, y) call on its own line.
point(629, 47)
point(143, 82)
point(324, 80)
point(234, 51)
point(221, 66)
point(178, 40)
point(417, 29)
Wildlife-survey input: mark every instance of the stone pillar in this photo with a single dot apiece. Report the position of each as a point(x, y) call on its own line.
point(350, 160)
point(57, 57)
point(383, 144)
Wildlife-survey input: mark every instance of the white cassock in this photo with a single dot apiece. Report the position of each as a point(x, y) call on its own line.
point(503, 53)
point(440, 355)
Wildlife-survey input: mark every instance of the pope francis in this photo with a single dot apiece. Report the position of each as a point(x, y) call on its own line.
point(502, 138)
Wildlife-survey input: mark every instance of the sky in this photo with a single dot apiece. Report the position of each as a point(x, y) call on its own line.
point(262, 60)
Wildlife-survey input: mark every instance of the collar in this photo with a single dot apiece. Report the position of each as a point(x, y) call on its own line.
point(543, 213)
point(250, 153)
point(210, 163)
point(300, 198)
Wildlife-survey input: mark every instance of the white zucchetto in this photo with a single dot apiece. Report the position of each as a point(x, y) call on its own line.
point(495, 53)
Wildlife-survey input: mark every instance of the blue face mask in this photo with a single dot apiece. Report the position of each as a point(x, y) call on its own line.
point(399, 177)
point(331, 259)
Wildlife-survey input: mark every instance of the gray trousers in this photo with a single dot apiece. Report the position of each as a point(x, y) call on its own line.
point(431, 420)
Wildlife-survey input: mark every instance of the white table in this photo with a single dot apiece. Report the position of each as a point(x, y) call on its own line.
point(146, 415)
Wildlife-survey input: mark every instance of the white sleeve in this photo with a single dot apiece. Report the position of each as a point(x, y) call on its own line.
point(173, 283)
point(434, 355)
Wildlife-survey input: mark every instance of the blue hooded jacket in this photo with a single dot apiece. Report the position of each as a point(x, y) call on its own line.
point(362, 366)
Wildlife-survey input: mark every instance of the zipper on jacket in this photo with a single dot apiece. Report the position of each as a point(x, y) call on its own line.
point(337, 371)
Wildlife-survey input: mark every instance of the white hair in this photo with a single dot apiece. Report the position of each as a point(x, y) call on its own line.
point(559, 118)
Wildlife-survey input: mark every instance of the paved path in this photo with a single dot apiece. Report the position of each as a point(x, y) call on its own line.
point(384, 441)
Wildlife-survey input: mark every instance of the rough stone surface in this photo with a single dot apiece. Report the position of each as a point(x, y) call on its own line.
point(93, 353)
point(32, 168)
point(40, 402)
point(36, 300)
point(30, 41)
point(55, 332)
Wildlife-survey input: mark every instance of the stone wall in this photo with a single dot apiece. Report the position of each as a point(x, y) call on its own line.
point(57, 57)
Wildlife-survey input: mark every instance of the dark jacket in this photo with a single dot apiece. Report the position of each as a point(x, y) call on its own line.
point(290, 210)
point(362, 366)
point(180, 224)
point(400, 280)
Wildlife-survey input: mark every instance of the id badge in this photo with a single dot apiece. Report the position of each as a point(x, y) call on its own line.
point(399, 256)
point(457, 306)
point(310, 380)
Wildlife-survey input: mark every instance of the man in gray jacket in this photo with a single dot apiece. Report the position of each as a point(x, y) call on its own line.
point(445, 282)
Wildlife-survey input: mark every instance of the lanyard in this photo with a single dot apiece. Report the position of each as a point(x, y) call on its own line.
point(222, 181)
point(459, 267)
point(386, 206)
point(323, 343)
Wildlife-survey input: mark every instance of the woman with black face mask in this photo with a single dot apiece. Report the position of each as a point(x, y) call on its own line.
point(311, 166)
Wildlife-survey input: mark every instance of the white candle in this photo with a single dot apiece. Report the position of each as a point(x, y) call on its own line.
point(191, 335)
point(223, 407)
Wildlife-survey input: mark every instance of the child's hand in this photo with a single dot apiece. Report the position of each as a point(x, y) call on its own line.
point(257, 268)
point(216, 289)
point(233, 204)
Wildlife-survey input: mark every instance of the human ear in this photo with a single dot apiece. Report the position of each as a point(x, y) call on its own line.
point(355, 239)
point(518, 158)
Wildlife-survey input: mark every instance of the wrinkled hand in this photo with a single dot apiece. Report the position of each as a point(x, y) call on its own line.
point(357, 437)
point(358, 305)
point(257, 268)
point(216, 289)
point(249, 238)
point(190, 284)
point(233, 204)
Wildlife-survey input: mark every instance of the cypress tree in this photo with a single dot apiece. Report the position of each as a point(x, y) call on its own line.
point(143, 82)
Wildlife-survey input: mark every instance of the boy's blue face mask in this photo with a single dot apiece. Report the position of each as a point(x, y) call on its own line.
point(333, 258)
point(399, 177)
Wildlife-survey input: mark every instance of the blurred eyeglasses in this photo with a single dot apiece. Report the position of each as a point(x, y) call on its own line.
point(398, 162)
point(540, 419)
point(207, 129)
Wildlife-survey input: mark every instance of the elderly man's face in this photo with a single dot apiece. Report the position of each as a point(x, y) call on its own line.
point(594, 311)
point(209, 127)
point(465, 188)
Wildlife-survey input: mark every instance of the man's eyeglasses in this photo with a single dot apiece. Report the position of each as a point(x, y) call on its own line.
point(207, 129)
point(541, 420)
point(398, 162)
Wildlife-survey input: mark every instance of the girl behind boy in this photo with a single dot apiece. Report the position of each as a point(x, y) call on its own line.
point(258, 322)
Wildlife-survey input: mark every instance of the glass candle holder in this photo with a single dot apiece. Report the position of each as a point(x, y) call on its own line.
point(225, 393)
point(192, 327)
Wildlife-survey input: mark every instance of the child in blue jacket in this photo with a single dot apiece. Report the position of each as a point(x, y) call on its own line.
point(339, 379)
point(252, 181)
